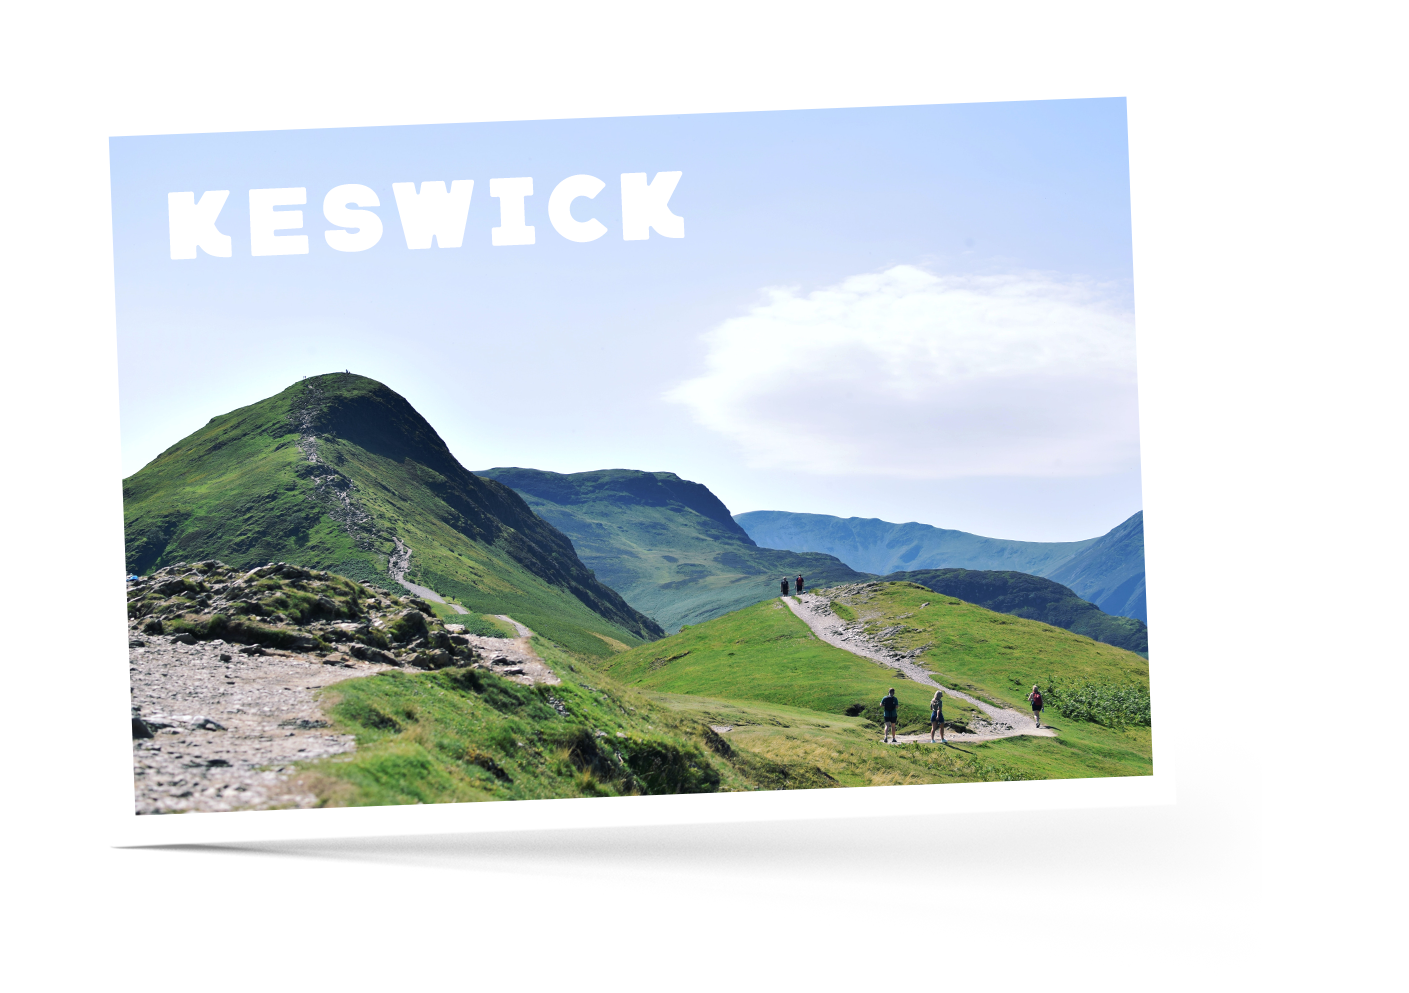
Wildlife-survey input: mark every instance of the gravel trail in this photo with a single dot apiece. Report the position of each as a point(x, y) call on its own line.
point(1002, 722)
point(400, 562)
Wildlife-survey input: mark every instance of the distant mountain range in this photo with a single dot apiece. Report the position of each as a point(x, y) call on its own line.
point(1108, 571)
point(1035, 598)
point(339, 472)
point(666, 544)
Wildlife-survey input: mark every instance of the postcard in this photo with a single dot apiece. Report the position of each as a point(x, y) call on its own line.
point(489, 466)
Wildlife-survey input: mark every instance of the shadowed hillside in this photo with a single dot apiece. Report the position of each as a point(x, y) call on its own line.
point(666, 544)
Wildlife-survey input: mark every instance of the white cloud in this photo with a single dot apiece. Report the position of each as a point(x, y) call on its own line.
point(908, 374)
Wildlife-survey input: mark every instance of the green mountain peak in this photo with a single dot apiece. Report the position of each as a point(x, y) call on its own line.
point(340, 472)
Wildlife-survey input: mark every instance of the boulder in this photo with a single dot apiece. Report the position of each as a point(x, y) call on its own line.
point(184, 638)
point(140, 729)
point(206, 724)
point(153, 626)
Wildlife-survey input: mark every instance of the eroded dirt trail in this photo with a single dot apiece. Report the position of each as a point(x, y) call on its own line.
point(1002, 722)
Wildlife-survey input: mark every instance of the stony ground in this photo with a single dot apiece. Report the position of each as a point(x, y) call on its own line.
point(229, 728)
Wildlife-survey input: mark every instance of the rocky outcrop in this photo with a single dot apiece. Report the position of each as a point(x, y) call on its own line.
point(290, 608)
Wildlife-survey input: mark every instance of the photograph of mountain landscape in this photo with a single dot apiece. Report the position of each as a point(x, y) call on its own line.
point(604, 458)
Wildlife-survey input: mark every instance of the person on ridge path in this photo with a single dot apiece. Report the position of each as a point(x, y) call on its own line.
point(799, 584)
point(937, 717)
point(785, 586)
point(1035, 698)
point(889, 705)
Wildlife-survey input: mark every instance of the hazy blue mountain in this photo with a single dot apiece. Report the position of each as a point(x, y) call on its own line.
point(666, 544)
point(1035, 598)
point(1109, 571)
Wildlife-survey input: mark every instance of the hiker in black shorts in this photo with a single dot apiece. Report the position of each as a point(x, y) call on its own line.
point(799, 584)
point(937, 717)
point(1035, 698)
point(889, 706)
point(785, 586)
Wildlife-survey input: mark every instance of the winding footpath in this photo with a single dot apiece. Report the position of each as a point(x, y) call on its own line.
point(1002, 722)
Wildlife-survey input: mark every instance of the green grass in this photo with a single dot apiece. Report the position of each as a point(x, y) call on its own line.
point(639, 722)
point(777, 663)
point(765, 653)
point(485, 625)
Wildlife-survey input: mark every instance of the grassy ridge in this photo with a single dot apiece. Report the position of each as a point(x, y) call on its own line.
point(777, 663)
point(764, 653)
point(1035, 598)
point(244, 490)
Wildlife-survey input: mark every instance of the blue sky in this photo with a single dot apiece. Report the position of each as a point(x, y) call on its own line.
point(913, 313)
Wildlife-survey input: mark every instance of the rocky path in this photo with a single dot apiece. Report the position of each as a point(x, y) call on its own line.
point(513, 658)
point(1001, 722)
point(227, 727)
point(400, 562)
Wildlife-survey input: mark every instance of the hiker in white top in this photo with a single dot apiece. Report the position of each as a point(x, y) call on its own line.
point(937, 716)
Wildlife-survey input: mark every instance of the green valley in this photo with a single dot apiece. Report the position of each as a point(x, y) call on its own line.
point(666, 544)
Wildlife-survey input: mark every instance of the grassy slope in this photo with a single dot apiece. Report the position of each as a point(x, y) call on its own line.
point(1036, 599)
point(462, 735)
point(764, 653)
point(241, 490)
point(996, 657)
point(666, 544)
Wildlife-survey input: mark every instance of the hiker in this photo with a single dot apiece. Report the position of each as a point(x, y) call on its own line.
point(785, 586)
point(937, 717)
point(799, 584)
point(889, 705)
point(1035, 698)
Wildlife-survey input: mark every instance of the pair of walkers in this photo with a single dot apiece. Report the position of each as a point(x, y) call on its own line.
point(784, 585)
point(890, 709)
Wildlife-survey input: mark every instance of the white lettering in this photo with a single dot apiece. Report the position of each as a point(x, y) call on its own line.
point(511, 229)
point(192, 225)
point(367, 226)
point(646, 205)
point(265, 220)
point(434, 213)
point(560, 208)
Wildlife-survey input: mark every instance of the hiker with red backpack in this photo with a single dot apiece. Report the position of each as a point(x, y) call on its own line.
point(799, 584)
point(1035, 698)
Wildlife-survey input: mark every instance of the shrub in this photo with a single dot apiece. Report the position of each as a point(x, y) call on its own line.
point(1108, 704)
